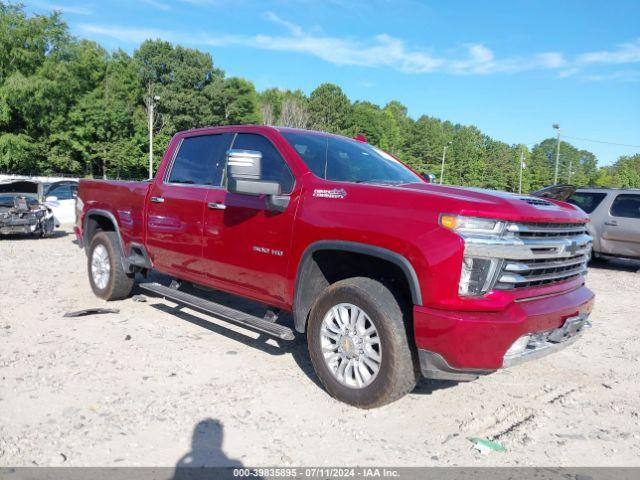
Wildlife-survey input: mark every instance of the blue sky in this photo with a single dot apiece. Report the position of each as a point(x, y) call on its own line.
point(512, 68)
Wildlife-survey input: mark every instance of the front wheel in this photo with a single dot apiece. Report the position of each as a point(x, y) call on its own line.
point(107, 276)
point(358, 343)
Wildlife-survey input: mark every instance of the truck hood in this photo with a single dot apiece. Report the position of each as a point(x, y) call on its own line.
point(22, 187)
point(497, 204)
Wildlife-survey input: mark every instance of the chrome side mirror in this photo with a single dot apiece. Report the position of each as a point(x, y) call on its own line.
point(244, 174)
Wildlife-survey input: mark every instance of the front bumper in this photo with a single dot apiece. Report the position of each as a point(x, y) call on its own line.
point(461, 346)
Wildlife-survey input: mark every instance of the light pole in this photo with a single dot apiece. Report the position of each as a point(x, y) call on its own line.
point(521, 168)
point(151, 105)
point(555, 175)
point(444, 155)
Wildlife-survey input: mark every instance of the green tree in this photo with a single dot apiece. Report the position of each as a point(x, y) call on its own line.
point(329, 108)
point(25, 42)
point(232, 101)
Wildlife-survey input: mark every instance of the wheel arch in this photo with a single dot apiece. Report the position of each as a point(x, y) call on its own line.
point(96, 220)
point(311, 279)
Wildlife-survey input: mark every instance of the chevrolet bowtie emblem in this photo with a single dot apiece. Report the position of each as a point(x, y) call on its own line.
point(572, 248)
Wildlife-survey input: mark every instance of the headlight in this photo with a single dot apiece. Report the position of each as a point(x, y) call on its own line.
point(477, 274)
point(472, 225)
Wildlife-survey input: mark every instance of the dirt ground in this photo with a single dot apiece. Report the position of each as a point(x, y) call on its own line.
point(156, 386)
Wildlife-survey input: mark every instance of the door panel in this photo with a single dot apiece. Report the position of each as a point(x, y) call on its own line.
point(176, 206)
point(174, 228)
point(621, 227)
point(246, 246)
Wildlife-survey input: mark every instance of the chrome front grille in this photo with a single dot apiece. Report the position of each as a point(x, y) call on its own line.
point(541, 230)
point(557, 252)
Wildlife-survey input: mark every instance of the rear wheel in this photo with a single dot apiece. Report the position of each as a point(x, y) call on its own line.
point(358, 343)
point(107, 276)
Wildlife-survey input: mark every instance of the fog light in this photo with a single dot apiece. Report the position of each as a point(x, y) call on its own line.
point(477, 275)
point(519, 346)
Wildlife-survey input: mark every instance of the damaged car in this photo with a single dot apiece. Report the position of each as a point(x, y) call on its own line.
point(22, 210)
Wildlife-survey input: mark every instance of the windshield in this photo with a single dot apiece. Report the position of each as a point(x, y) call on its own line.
point(6, 199)
point(342, 159)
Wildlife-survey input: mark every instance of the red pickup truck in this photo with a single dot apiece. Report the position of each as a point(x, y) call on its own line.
point(390, 277)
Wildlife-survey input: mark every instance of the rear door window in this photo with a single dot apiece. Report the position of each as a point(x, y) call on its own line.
point(200, 160)
point(626, 205)
point(587, 201)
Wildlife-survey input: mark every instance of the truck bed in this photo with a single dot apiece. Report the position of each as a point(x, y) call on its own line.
point(123, 200)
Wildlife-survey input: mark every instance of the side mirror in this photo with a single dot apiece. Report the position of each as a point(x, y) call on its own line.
point(51, 199)
point(429, 177)
point(244, 174)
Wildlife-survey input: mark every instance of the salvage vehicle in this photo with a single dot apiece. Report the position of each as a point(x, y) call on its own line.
point(615, 220)
point(389, 276)
point(60, 197)
point(22, 210)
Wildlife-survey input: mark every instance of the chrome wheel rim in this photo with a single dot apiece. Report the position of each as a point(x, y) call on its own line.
point(100, 267)
point(350, 345)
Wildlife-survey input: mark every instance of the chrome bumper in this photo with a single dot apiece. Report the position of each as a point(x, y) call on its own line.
point(545, 343)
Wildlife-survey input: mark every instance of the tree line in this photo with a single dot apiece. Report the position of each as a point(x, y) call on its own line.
point(68, 106)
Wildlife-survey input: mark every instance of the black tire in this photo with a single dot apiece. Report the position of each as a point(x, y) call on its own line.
point(398, 373)
point(120, 283)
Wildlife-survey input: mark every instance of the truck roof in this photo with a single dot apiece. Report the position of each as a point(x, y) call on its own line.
point(265, 128)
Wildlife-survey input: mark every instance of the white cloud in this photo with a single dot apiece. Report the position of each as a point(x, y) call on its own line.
point(625, 53)
point(73, 9)
point(550, 60)
point(157, 5)
point(619, 76)
point(202, 3)
point(125, 34)
point(382, 51)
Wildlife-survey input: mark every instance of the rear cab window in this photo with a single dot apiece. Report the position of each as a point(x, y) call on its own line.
point(587, 201)
point(200, 160)
point(626, 205)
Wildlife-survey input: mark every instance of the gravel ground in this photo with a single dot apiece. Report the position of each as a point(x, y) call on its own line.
point(153, 385)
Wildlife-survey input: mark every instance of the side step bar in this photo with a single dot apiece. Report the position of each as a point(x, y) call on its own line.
point(220, 311)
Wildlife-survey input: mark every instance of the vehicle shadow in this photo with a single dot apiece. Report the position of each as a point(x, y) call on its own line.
point(619, 264)
point(427, 386)
point(206, 459)
point(297, 348)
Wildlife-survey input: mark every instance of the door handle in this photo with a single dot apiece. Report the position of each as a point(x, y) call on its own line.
point(157, 199)
point(216, 206)
point(611, 223)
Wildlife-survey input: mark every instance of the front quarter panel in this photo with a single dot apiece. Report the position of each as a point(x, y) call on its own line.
point(378, 216)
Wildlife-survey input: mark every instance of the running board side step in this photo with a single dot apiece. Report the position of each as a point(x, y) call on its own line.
point(220, 311)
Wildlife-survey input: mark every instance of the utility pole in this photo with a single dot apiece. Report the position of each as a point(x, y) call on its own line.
point(569, 176)
point(444, 155)
point(521, 168)
point(150, 139)
point(555, 176)
point(150, 101)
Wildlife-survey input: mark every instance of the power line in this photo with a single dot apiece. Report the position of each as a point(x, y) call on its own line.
point(602, 141)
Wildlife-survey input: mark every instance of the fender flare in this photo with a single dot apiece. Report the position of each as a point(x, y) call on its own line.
point(97, 212)
point(302, 306)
